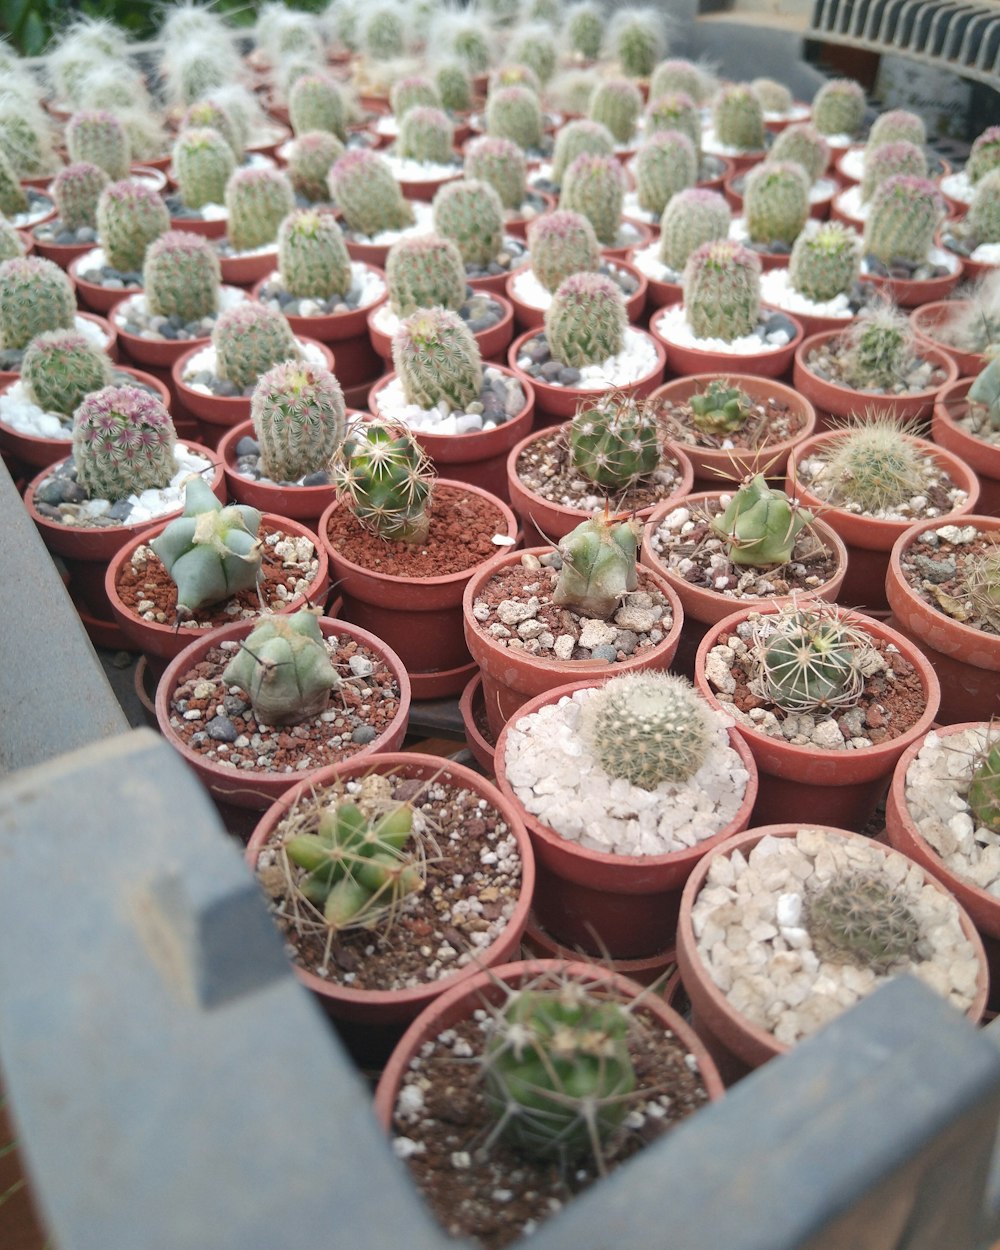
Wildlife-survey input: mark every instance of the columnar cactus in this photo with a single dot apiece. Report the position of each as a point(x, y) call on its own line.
point(760, 524)
point(437, 359)
point(533, 45)
point(35, 296)
point(692, 218)
point(873, 465)
point(317, 103)
point(903, 219)
point(598, 565)
point(11, 245)
point(983, 217)
point(825, 262)
point(76, 189)
point(595, 187)
point(678, 74)
point(839, 107)
point(311, 156)
point(616, 103)
point(454, 87)
point(383, 33)
point(203, 163)
point(209, 115)
point(25, 136)
point(894, 126)
point(210, 552)
point(258, 200)
point(722, 290)
point(584, 30)
point(674, 110)
point(890, 159)
point(98, 137)
point(501, 163)
point(665, 164)
point(984, 155)
point(130, 215)
point(312, 256)
point(737, 118)
point(297, 411)
point(60, 368)
point(470, 213)
point(412, 90)
point(123, 443)
point(249, 339)
point(774, 96)
point(515, 113)
point(776, 201)
point(863, 919)
point(426, 134)
point(614, 440)
point(802, 143)
point(575, 137)
point(386, 480)
point(13, 198)
point(365, 191)
point(638, 38)
point(562, 243)
point(425, 272)
point(586, 322)
point(181, 276)
point(809, 659)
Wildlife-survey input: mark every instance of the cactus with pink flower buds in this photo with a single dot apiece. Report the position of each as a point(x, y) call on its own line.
point(562, 243)
point(98, 137)
point(35, 296)
point(181, 276)
point(737, 118)
point(367, 194)
point(437, 358)
point(130, 215)
point(595, 187)
point(470, 213)
point(426, 134)
point(693, 217)
point(203, 162)
point(123, 443)
point(586, 322)
point(501, 163)
point(665, 164)
point(297, 411)
point(249, 339)
point(258, 201)
point(317, 103)
point(76, 189)
point(312, 256)
point(311, 156)
point(722, 290)
point(903, 219)
point(425, 272)
point(890, 159)
point(581, 135)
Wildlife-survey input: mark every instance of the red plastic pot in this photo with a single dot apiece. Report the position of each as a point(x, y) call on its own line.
point(538, 944)
point(481, 747)
point(531, 317)
point(927, 321)
point(62, 254)
point(496, 283)
point(208, 228)
point(518, 226)
point(246, 270)
point(492, 342)
point(336, 326)
point(982, 457)
point(95, 296)
point(301, 503)
point(910, 292)
point(770, 362)
point(160, 353)
point(620, 251)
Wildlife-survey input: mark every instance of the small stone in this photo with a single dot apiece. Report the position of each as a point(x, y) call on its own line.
point(513, 611)
point(247, 446)
point(596, 633)
point(563, 646)
point(360, 666)
point(607, 653)
point(221, 729)
point(363, 735)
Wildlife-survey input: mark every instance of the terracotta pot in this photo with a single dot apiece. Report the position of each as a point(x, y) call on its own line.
point(661, 294)
point(735, 1043)
point(796, 782)
point(301, 503)
point(426, 188)
point(869, 539)
point(558, 403)
point(496, 283)
point(771, 362)
point(539, 944)
point(246, 270)
point(492, 342)
point(27, 240)
point(372, 1020)
point(101, 299)
point(624, 906)
point(518, 226)
point(927, 321)
point(546, 522)
point(470, 703)
point(911, 293)
point(211, 228)
point(966, 660)
point(62, 254)
point(621, 251)
point(829, 398)
point(420, 618)
point(160, 353)
point(511, 678)
point(982, 457)
point(531, 317)
point(331, 327)
point(270, 139)
point(371, 253)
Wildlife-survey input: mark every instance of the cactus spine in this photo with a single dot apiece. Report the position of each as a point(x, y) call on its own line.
point(983, 217)
point(888, 160)
point(13, 199)
point(249, 339)
point(878, 348)
point(297, 411)
point(258, 200)
point(614, 441)
point(894, 126)
point(674, 110)
point(737, 118)
point(367, 194)
point(809, 659)
point(693, 217)
point(639, 41)
point(501, 163)
point(316, 103)
point(98, 137)
point(181, 276)
point(984, 787)
point(209, 115)
point(413, 90)
point(470, 213)
point(386, 480)
point(560, 244)
point(453, 87)
point(584, 30)
point(664, 165)
point(984, 155)
point(720, 409)
point(35, 296)
point(312, 256)
point(76, 189)
point(776, 201)
point(60, 368)
point(774, 96)
point(802, 143)
point(825, 262)
point(598, 565)
point(616, 103)
point(678, 74)
point(203, 162)
point(873, 466)
point(425, 272)
point(586, 322)
point(10, 241)
point(595, 187)
point(580, 135)
point(437, 358)
point(722, 290)
point(130, 216)
point(123, 443)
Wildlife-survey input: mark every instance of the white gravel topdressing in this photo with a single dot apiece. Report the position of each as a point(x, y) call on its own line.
point(958, 187)
point(406, 170)
point(750, 923)
point(797, 113)
point(229, 297)
point(150, 505)
point(647, 261)
point(673, 325)
point(776, 288)
point(710, 143)
point(363, 278)
point(96, 258)
point(635, 361)
point(423, 213)
point(32, 216)
point(525, 285)
point(24, 415)
point(205, 359)
point(852, 163)
point(849, 203)
point(554, 776)
point(441, 419)
point(987, 253)
point(387, 124)
point(211, 212)
point(632, 208)
point(92, 331)
point(265, 249)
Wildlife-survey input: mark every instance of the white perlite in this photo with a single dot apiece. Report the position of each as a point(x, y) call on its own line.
point(406, 170)
point(526, 286)
point(849, 203)
point(32, 216)
point(635, 361)
point(776, 289)
point(423, 213)
point(364, 279)
point(25, 416)
point(135, 306)
point(92, 331)
point(205, 360)
point(554, 776)
point(852, 163)
point(673, 325)
point(441, 419)
point(748, 925)
point(647, 261)
point(150, 505)
point(958, 187)
point(711, 144)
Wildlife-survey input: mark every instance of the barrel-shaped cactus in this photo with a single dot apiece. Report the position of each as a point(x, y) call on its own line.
point(386, 480)
point(211, 115)
point(984, 155)
point(98, 137)
point(412, 90)
point(896, 125)
point(680, 74)
point(598, 565)
point(586, 322)
point(825, 262)
point(35, 296)
point(803, 144)
point(515, 113)
point(760, 524)
point(249, 339)
point(616, 103)
point(501, 163)
point(285, 669)
point(722, 290)
point(312, 256)
point(533, 45)
point(903, 219)
point(123, 443)
point(130, 215)
point(60, 368)
point(873, 465)
point(692, 218)
point(638, 39)
point(203, 162)
point(13, 198)
point(426, 134)
point(878, 348)
point(437, 359)
point(316, 102)
point(737, 118)
point(367, 194)
point(575, 137)
point(809, 659)
point(839, 107)
point(425, 272)
point(595, 186)
point(181, 276)
point(11, 243)
point(674, 110)
point(258, 200)
point(454, 87)
point(310, 158)
point(562, 243)
point(665, 164)
point(583, 29)
point(776, 201)
point(383, 33)
point(889, 159)
point(76, 189)
point(470, 212)
point(983, 217)
point(297, 411)
point(614, 440)
point(774, 96)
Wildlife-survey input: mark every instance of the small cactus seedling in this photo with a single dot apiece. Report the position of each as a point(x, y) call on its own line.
point(412, 90)
point(877, 348)
point(501, 163)
point(560, 244)
point(210, 552)
point(984, 787)
point(365, 191)
point(984, 394)
point(426, 271)
point(862, 918)
point(586, 322)
point(674, 110)
point(776, 201)
point(839, 107)
point(515, 113)
point(312, 256)
point(598, 565)
point(692, 217)
point(665, 164)
point(825, 262)
point(595, 186)
point(298, 419)
point(874, 466)
point(888, 160)
point(809, 659)
point(722, 290)
point(737, 118)
point(249, 339)
point(285, 669)
point(181, 276)
point(98, 137)
point(386, 480)
point(316, 102)
point(896, 125)
point(130, 215)
point(203, 162)
point(311, 156)
point(760, 524)
point(720, 409)
point(60, 368)
point(426, 134)
point(984, 155)
point(76, 189)
point(470, 213)
point(639, 40)
point(803, 144)
point(579, 135)
point(123, 443)
point(774, 96)
point(258, 201)
point(35, 296)
point(616, 104)
point(437, 359)
point(614, 440)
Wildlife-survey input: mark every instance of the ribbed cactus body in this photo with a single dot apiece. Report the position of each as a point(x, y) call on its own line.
point(315, 102)
point(737, 118)
point(25, 138)
point(412, 90)
point(598, 565)
point(874, 466)
point(862, 919)
point(776, 201)
point(258, 200)
point(181, 276)
point(383, 34)
point(425, 272)
point(501, 163)
point(879, 346)
point(639, 40)
point(426, 134)
point(11, 245)
point(310, 159)
point(562, 243)
point(803, 144)
point(130, 215)
point(894, 126)
point(514, 74)
point(297, 411)
point(437, 358)
point(386, 481)
point(722, 290)
point(678, 74)
point(826, 262)
point(515, 113)
point(98, 137)
point(576, 137)
point(664, 165)
point(285, 669)
point(35, 296)
point(888, 160)
point(903, 219)
point(312, 256)
point(208, 115)
point(203, 162)
point(984, 155)
point(595, 187)
point(470, 213)
point(76, 189)
point(454, 87)
point(123, 443)
point(614, 441)
point(584, 30)
point(586, 322)
point(760, 524)
point(693, 217)
point(249, 339)
point(674, 110)
point(839, 107)
point(983, 217)
point(13, 198)
point(472, 47)
point(365, 191)
point(616, 103)
point(535, 47)
point(60, 368)
point(774, 96)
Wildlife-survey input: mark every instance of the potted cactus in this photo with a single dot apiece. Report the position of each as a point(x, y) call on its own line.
point(966, 421)
point(665, 163)
point(821, 284)
point(257, 202)
point(775, 210)
point(900, 252)
point(902, 156)
point(26, 206)
point(423, 157)
point(308, 159)
point(203, 161)
point(838, 112)
point(594, 185)
point(470, 213)
point(371, 205)
point(737, 131)
point(616, 104)
point(76, 189)
point(693, 216)
point(984, 156)
point(975, 236)
point(967, 329)
point(893, 126)
point(572, 139)
point(501, 163)
point(130, 216)
point(514, 111)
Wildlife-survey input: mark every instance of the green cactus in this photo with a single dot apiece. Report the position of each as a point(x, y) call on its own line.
point(512, 74)
point(681, 75)
point(776, 201)
point(576, 137)
point(471, 45)
point(983, 217)
point(426, 134)
point(210, 552)
point(316, 102)
point(562, 243)
point(809, 659)
point(877, 348)
point(984, 788)
point(873, 465)
point(367, 194)
point(515, 113)
point(737, 118)
point(412, 90)
point(825, 262)
point(297, 411)
point(76, 189)
point(890, 159)
point(692, 218)
point(437, 359)
point(665, 164)
point(123, 443)
point(584, 30)
point(598, 565)
point(839, 107)
point(501, 163)
point(595, 186)
point(616, 104)
point(181, 276)
point(425, 272)
point(383, 33)
point(249, 339)
point(13, 198)
point(534, 46)
point(984, 393)
point(25, 136)
point(614, 440)
point(60, 368)
point(760, 524)
point(648, 727)
point(720, 409)
point(209, 115)
point(11, 245)
point(454, 87)
point(721, 287)
point(203, 163)
point(804, 144)
point(470, 213)
point(312, 256)
point(978, 589)
point(386, 480)
point(674, 110)
point(130, 215)
point(774, 96)
point(258, 200)
point(311, 156)
point(570, 91)
point(639, 40)
point(35, 296)
point(586, 322)
point(859, 917)
point(894, 126)
point(98, 137)
point(984, 155)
